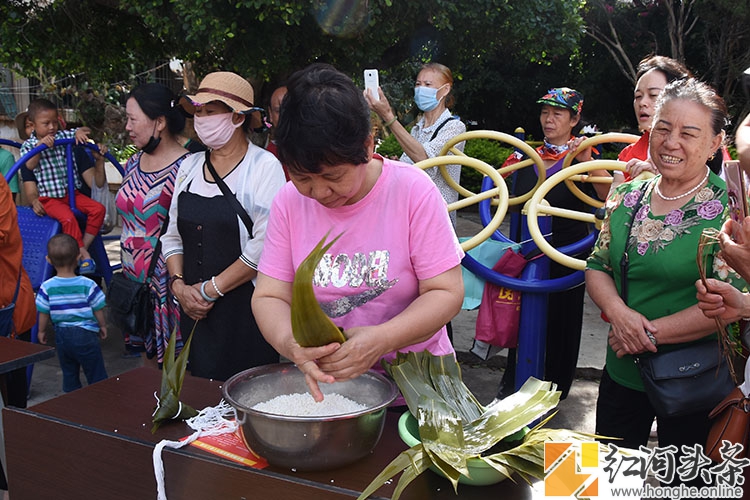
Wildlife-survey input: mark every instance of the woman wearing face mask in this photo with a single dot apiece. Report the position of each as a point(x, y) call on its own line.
point(432, 95)
point(217, 225)
point(143, 202)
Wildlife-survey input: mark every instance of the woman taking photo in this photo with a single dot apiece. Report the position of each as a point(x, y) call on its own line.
point(657, 223)
point(393, 279)
point(217, 225)
point(433, 96)
point(143, 202)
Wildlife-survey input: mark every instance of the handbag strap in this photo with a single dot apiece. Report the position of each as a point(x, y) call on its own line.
point(157, 251)
point(228, 195)
point(435, 133)
point(625, 258)
point(18, 285)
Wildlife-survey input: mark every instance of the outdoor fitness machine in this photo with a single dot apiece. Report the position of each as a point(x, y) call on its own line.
point(535, 223)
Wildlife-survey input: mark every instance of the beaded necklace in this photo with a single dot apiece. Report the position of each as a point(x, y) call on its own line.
point(687, 193)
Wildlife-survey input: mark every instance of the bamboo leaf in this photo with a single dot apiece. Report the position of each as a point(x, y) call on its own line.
point(454, 426)
point(413, 386)
point(447, 469)
point(311, 327)
point(410, 474)
point(411, 459)
point(168, 406)
point(445, 376)
point(441, 433)
point(509, 415)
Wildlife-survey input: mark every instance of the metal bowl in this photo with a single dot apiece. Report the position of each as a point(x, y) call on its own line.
point(304, 442)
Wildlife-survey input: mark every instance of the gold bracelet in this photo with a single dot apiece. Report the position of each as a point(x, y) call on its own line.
point(390, 122)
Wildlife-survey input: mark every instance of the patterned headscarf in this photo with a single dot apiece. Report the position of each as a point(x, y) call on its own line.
point(564, 97)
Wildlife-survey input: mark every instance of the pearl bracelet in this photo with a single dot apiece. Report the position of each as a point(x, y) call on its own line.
point(205, 295)
point(213, 282)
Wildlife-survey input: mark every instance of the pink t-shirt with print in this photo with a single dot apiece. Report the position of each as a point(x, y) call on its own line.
point(398, 234)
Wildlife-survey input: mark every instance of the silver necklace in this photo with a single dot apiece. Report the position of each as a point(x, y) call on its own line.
point(686, 193)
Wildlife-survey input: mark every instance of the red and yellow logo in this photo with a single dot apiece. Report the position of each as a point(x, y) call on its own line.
point(564, 469)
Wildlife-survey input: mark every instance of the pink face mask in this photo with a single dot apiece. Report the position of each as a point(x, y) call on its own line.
point(215, 130)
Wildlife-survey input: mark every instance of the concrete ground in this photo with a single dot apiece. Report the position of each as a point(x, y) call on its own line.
point(482, 377)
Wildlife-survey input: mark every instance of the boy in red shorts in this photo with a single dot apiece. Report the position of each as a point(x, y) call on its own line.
point(50, 168)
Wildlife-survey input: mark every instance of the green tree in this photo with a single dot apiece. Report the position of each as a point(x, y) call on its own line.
point(266, 40)
point(710, 36)
point(59, 39)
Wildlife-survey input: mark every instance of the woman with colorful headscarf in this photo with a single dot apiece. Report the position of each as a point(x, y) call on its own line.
point(560, 115)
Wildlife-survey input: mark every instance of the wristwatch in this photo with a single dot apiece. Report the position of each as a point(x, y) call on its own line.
point(174, 278)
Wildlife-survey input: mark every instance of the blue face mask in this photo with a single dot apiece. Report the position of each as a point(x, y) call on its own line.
point(426, 97)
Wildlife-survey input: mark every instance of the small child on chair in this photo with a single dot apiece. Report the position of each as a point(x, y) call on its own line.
point(75, 306)
point(51, 169)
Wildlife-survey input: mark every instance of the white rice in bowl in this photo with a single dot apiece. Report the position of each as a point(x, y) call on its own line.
point(303, 405)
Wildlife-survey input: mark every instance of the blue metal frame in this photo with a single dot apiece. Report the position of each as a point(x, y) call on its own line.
point(534, 283)
point(98, 251)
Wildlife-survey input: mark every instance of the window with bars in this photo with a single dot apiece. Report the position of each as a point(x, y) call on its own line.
point(7, 101)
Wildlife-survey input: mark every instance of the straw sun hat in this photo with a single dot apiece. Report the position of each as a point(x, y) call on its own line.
point(21, 125)
point(229, 88)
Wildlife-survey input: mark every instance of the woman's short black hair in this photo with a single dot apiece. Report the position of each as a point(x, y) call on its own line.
point(672, 69)
point(158, 100)
point(324, 121)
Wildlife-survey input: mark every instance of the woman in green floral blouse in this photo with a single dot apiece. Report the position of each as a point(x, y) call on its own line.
point(668, 214)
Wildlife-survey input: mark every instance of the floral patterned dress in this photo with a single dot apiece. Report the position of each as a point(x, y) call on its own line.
point(143, 202)
point(662, 252)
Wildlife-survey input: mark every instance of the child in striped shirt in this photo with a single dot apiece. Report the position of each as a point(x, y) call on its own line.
point(75, 307)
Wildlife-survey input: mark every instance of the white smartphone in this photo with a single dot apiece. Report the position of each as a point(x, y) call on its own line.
point(372, 83)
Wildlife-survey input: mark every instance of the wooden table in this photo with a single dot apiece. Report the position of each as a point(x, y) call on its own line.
point(16, 354)
point(96, 442)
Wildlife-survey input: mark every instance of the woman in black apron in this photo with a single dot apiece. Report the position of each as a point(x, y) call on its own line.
point(216, 230)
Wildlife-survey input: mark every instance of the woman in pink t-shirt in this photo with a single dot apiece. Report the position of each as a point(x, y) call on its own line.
point(393, 279)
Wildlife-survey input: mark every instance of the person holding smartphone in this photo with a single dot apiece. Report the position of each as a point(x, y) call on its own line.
point(433, 96)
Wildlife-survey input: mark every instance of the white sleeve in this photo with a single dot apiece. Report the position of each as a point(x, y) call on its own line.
point(266, 177)
point(171, 241)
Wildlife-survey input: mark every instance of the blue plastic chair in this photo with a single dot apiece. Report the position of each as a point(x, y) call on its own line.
point(35, 233)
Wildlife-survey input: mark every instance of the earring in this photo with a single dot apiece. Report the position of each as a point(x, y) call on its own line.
point(712, 156)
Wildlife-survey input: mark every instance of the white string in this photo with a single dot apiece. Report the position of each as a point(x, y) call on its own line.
point(210, 421)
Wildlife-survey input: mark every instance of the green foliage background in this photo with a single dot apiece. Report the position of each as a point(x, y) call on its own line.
point(504, 53)
point(491, 152)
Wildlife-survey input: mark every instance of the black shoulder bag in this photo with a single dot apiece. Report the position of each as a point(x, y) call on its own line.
point(692, 379)
point(130, 305)
point(229, 196)
point(435, 133)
